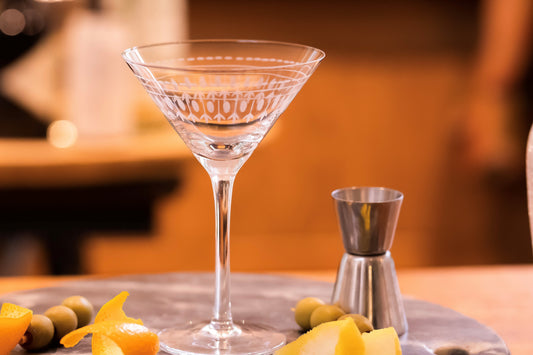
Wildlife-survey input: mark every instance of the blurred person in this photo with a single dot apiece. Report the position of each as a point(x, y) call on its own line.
point(495, 127)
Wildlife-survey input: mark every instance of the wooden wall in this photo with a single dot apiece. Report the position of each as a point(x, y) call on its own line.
point(383, 109)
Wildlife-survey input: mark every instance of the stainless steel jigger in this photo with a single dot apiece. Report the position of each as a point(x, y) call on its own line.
point(366, 279)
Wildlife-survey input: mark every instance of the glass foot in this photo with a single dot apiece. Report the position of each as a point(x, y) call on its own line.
point(199, 339)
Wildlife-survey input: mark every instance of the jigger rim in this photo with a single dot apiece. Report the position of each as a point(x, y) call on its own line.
point(396, 195)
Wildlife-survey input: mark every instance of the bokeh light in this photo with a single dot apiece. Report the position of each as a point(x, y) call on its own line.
point(62, 134)
point(34, 22)
point(12, 22)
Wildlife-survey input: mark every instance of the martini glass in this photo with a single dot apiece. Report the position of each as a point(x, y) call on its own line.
point(222, 97)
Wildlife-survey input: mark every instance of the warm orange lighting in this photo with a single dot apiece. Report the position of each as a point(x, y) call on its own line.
point(62, 134)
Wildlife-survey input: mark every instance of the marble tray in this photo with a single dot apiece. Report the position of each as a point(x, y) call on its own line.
point(163, 300)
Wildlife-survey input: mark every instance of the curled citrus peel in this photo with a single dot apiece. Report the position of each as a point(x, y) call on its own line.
point(112, 310)
point(111, 336)
point(114, 333)
point(14, 320)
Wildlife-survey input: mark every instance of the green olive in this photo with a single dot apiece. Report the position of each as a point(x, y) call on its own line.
point(39, 333)
point(82, 307)
point(360, 321)
point(303, 310)
point(325, 313)
point(64, 320)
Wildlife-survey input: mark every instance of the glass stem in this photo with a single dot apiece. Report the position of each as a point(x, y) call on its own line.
point(222, 189)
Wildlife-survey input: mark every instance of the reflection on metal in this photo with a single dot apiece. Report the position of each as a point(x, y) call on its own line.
point(366, 279)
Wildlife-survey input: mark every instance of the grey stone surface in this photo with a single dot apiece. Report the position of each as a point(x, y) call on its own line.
point(163, 300)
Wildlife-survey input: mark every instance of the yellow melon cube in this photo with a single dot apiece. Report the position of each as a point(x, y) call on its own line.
point(332, 338)
point(382, 342)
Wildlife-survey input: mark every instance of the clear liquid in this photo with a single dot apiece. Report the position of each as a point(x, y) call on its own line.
point(221, 141)
point(225, 127)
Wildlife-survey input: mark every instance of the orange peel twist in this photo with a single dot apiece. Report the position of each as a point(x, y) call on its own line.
point(114, 333)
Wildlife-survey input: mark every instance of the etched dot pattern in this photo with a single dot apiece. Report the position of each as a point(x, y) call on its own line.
point(228, 94)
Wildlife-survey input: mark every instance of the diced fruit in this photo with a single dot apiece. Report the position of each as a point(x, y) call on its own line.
point(82, 307)
point(64, 320)
point(303, 310)
point(14, 320)
point(332, 338)
point(361, 322)
point(131, 338)
point(325, 313)
point(382, 342)
point(39, 334)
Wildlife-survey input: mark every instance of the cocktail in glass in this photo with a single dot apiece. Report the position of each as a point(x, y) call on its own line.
point(222, 97)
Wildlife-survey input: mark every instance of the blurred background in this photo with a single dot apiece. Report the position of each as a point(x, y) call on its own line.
point(432, 98)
